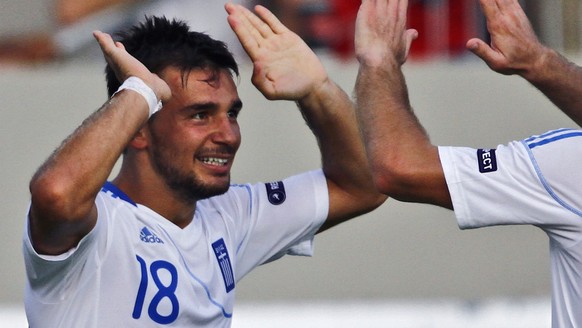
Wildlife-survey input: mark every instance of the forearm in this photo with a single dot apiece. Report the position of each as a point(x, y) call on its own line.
point(561, 81)
point(389, 128)
point(75, 172)
point(330, 114)
point(404, 163)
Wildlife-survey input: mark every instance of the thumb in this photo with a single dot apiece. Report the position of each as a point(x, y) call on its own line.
point(479, 48)
point(411, 35)
point(490, 56)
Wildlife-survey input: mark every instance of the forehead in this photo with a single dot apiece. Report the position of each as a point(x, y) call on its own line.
point(200, 84)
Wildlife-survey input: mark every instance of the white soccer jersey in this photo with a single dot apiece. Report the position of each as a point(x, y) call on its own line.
point(535, 181)
point(137, 269)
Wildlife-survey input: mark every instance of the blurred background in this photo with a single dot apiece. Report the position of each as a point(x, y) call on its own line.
point(404, 265)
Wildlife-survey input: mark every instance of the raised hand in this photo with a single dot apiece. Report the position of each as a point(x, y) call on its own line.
point(381, 34)
point(125, 65)
point(285, 68)
point(514, 48)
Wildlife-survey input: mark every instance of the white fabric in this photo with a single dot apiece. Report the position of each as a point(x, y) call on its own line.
point(537, 182)
point(137, 269)
point(138, 85)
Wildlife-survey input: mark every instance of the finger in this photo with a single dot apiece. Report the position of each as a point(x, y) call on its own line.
point(104, 40)
point(120, 45)
point(504, 5)
point(484, 51)
point(239, 21)
point(410, 36)
point(402, 12)
point(242, 28)
point(513, 8)
point(256, 23)
point(476, 45)
point(364, 12)
point(229, 7)
point(106, 44)
point(490, 8)
point(389, 8)
point(243, 20)
point(268, 17)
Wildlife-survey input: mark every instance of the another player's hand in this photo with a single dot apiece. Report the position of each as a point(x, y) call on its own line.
point(284, 66)
point(125, 65)
point(381, 35)
point(514, 48)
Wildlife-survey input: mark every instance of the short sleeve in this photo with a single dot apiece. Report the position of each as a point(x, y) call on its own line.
point(45, 272)
point(283, 219)
point(511, 193)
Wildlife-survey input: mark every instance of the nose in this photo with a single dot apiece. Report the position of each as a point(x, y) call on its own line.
point(227, 131)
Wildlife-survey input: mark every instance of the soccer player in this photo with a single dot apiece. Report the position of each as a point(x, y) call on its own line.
point(534, 181)
point(166, 241)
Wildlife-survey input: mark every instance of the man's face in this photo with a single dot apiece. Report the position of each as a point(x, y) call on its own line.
point(195, 136)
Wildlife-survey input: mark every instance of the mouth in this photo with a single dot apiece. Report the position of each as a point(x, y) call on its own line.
point(214, 161)
point(217, 160)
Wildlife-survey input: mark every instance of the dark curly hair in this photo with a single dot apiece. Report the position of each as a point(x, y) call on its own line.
point(160, 43)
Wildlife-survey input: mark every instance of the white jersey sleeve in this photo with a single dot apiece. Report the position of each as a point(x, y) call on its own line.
point(62, 290)
point(276, 218)
point(533, 181)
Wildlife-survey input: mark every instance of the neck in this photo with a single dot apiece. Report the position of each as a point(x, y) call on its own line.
point(156, 195)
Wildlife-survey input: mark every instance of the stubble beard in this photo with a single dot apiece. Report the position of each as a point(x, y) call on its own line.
point(187, 185)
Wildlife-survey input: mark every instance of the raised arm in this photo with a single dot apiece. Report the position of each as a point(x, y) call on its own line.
point(515, 49)
point(64, 189)
point(404, 163)
point(286, 68)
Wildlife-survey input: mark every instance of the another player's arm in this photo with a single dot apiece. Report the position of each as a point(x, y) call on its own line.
point(560, 80)
point(515, 49)
point(64, 189)
point(404, 163)
point(285, 68)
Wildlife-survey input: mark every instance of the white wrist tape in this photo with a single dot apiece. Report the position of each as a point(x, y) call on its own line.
point(138, 85)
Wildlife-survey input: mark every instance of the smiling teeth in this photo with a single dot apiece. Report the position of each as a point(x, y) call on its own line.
point(215, 161)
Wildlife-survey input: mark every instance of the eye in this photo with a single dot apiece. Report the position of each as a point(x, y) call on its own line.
point(233, 113)
point(199, 115)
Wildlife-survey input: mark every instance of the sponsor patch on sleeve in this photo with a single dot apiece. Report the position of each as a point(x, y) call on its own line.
point(487, 160)
point(276, 192)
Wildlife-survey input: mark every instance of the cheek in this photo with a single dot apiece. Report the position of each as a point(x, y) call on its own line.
point(172, 145)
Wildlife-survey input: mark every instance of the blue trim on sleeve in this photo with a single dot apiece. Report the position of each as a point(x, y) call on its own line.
point(551, 136)
point(549, 133)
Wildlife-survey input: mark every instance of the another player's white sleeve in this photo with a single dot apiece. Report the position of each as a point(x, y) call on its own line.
point(533, 181)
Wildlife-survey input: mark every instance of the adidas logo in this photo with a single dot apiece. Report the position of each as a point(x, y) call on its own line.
point(149, 237)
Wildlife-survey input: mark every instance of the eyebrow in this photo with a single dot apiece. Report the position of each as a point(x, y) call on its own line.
point(237, 104)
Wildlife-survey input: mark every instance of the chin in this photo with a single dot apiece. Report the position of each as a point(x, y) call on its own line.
point(208, 191)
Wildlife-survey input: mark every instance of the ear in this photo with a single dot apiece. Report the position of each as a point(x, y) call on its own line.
point(140, 140)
